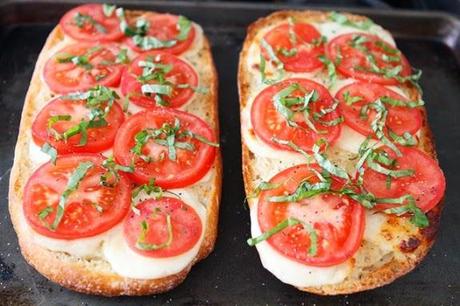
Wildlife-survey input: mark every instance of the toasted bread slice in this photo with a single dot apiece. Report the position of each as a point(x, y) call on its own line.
point(94, 275)
point(400, 245)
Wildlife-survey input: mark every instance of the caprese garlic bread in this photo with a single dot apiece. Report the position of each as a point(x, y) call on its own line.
point(116, 180)
point(339, 164)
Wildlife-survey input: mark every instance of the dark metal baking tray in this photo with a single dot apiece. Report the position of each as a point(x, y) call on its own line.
point(233, 274)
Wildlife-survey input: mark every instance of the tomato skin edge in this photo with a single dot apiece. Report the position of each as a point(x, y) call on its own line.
point(116, 38)
point(143, 179)
point(358, 216)
point(96, 158)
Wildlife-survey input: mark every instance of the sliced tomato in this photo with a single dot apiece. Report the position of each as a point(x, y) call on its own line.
point(353, 61)
point(64, 76)
point(337, 220)
point(98, 138)
point(165, 27)
point(181, 74)
point(90, 210)
point(269, 123)
point(89, 23)
point(298, 46)
point(426, 185)
point(189, 165)
point(158, 241)
point(399, 119)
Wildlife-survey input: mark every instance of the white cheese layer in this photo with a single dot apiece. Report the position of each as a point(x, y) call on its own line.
point(118, 253)
point(112, 247)
point(293, 272)
point(331, 30)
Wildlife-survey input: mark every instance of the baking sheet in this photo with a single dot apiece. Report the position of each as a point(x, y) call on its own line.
point(233, 274)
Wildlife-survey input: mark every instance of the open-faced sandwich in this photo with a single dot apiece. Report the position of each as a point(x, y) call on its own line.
point(117, 174)
point(339, 164)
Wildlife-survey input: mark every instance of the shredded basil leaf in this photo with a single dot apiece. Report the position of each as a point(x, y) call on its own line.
point(157, 89)
point(327, 165)
point(385, 171)
point(51, 151)
point(305, 190)
point(141, 244)
point(293, 146)
point(126, 103)
point(391, 59)
point(405, 140)
point(45, 212)
point(331, 71)
point(81, 19)
point(283, 103)
point(111, 177)
point(198, 89)
point(72, 186)
point(313, 249)
point(349, 100)
point(199, 138)
point(108, 9)
point(400, 103)
point(319, 41)
point(288, 52)
point(367, 200)
point(332, 122)
point(169, 136)
point(274, 59)
point(414, 79)
point(418, 218)
point(263, 186)
point(53, 120)
point(378, 124)
point(385, 47)
point(184, 25)
point(122, 57)
point(140, 28)
point(150, 42)
point(344, 20)
point(276, 229)
point(99, 101)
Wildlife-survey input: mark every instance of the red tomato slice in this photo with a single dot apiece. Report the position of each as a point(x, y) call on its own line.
point(426, 185)
point(165, 27)
point(89, 23)
point(353, 62)
point(181, 73)
point(307, 43)
point(399, 119)
point(65, 77)
point(99, 138)
point(185, 222)
point(90, 210)
point(188, 167)
point(269, 123)
point(337, 220)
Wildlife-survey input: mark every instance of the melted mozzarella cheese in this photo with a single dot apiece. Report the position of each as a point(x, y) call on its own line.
point(84, 247)
point(111, 246)
point(333, 29)
point(293, 272)
point(118, 253)
point(350, 140)
point(36, 155)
